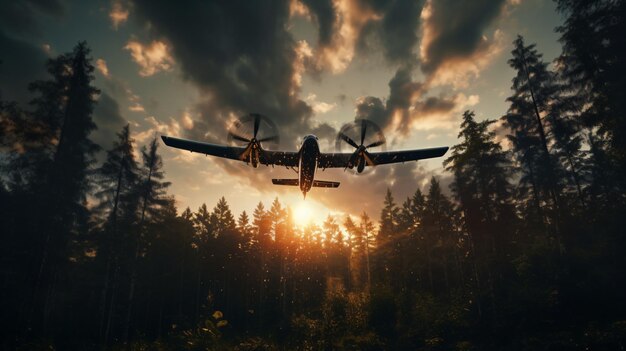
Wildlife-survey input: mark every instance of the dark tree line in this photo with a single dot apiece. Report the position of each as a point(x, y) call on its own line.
point(526, 253)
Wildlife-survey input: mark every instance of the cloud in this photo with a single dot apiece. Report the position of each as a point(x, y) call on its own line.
point(248, 67)
point(157, 127)
point(20, 64)
point(319, 107)
point(340, 26)
point(101, 66)
point(151, 58)
point(393, 114)
point(453, 50)
point(186, 120)
point(22, 17)
point(108, 118)
point(458, 72)
point(453, 34)
point(407, 108)
point(326, 133)
point(22, 55)
point(344, 25)
point(136, 107)
point(399, 30)
point(303, 57)
point(440, 112)
point(118, 14)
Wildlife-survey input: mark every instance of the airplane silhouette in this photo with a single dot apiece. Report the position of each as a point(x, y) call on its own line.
point(308, 158)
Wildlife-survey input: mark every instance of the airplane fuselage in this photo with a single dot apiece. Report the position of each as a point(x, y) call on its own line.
point(309, 153)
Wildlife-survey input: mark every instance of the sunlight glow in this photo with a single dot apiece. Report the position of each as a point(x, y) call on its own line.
point(302, 213)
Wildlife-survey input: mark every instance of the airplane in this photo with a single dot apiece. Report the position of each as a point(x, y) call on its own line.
point(308, 158)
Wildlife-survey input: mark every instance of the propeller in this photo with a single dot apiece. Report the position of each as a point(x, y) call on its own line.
point(359, 128)
point(246, 130)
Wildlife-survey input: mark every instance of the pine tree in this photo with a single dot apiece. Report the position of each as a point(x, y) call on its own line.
point(224, 219)
point(154, 204)
point(481, 185)
point(592, 65)
point(388, 240)
point(153, 188)
point(366, 227)
point(481, 180)
point(388, 218)
point(245, 229)
point(534, 92)
point(63, 109)
point(439, 233)
point(203, 223)
point(119, 201)
point(187, 215)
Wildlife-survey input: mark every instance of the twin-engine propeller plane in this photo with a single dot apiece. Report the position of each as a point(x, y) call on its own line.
point(309, 158)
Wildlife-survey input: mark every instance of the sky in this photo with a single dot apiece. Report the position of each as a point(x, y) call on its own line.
point(189, 69)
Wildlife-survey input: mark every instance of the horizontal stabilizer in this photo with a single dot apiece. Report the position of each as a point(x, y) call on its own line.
point(293, 182)
point(325, 184)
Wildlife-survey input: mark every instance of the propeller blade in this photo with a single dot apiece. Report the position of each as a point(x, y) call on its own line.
point(376, 143)
point(363, 129)
point(368, 159)
point(238, 137)
point(348, 140)
point(271, 138)
point(257, 121)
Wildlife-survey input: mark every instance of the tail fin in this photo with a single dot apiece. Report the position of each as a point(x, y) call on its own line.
point(292, 182)
point(325, 184)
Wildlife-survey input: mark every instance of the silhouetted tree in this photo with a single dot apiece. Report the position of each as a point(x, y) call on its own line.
point(534, 93)
point(62, 108)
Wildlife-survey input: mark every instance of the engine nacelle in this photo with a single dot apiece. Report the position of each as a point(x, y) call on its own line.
point(360, 164)
point(254, 159)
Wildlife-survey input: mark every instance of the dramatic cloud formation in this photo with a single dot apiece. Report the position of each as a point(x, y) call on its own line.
point(324, 14)
point(243, 58)
point(454, 32)
point(240, 55)
point(452, 49)
point(399, 30)
point(350, 18)
point(152, 58)
point(309, 65)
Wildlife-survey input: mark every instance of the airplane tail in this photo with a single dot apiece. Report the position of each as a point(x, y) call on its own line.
point(325, 184)
point(292, 182)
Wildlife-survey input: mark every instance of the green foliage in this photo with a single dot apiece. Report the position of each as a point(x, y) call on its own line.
point(206, 336)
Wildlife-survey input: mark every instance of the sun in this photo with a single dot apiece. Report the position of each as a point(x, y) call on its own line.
point(302, 213)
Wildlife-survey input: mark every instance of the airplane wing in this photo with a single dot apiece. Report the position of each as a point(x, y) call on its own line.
point(333, 160)
point(266, 157)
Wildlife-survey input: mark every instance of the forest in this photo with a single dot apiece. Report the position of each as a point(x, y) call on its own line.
point(526, 253)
